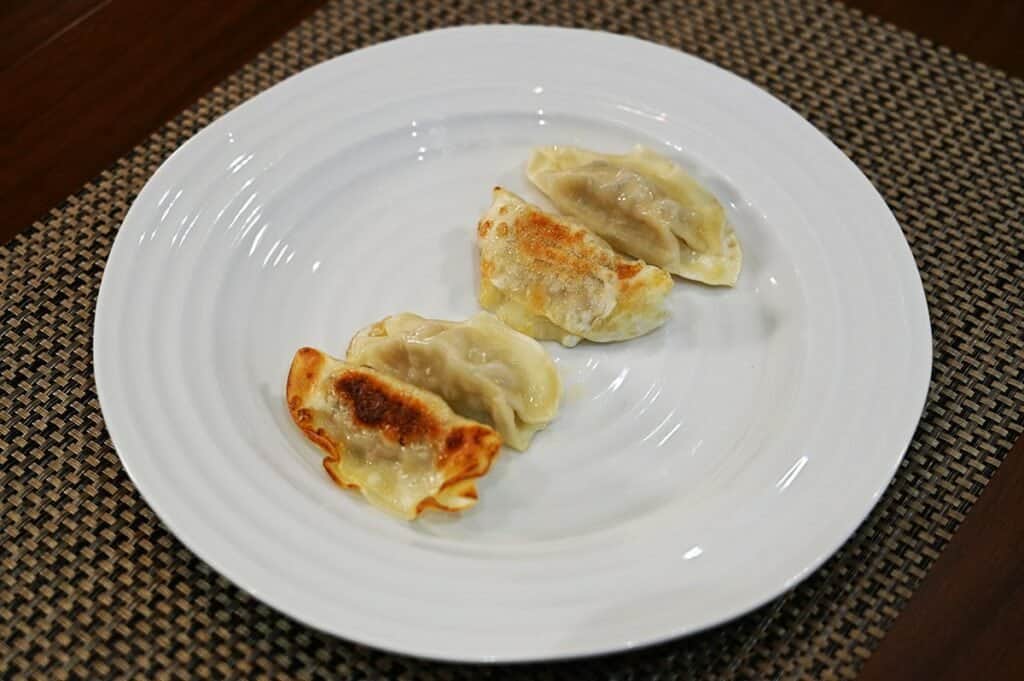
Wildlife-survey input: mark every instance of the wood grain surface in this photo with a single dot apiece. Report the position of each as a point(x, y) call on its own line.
point(85, 80)
point(966, 620)
point(93, 79)
point(988, 31)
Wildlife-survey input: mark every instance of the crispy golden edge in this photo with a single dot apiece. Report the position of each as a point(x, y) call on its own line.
point(302, 377)
point(463, 463)
point(466, 453)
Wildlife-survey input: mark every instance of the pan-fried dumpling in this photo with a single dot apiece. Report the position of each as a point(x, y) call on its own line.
point(401, 446)
point(483, 369)
point(554, 279)
point(643, 205)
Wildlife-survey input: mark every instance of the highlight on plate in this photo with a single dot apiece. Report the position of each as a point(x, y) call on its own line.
point(417, 411)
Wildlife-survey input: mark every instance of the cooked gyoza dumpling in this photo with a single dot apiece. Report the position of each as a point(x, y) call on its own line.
point(554, 279)
point(482, 368)
point(644, 205)
point(401, 446)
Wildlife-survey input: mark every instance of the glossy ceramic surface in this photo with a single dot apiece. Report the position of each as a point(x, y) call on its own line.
point(691, 475)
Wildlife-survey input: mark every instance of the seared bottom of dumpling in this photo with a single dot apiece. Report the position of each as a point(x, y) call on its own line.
point(401, 446)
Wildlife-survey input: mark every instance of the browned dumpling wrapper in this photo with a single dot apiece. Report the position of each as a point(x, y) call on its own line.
point(402, 447)
point(553, 279)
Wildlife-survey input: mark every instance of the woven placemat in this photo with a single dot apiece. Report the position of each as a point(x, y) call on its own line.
point(93, 586)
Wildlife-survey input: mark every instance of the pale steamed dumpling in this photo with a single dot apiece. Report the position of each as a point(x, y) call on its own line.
point(644, 205)
point(483, 369)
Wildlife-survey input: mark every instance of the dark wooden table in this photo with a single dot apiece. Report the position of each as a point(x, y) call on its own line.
point(105, 73)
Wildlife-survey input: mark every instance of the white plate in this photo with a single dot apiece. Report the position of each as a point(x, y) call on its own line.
point(691, 475)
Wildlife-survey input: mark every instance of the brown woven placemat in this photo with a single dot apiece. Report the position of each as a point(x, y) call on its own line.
point(93, 586)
